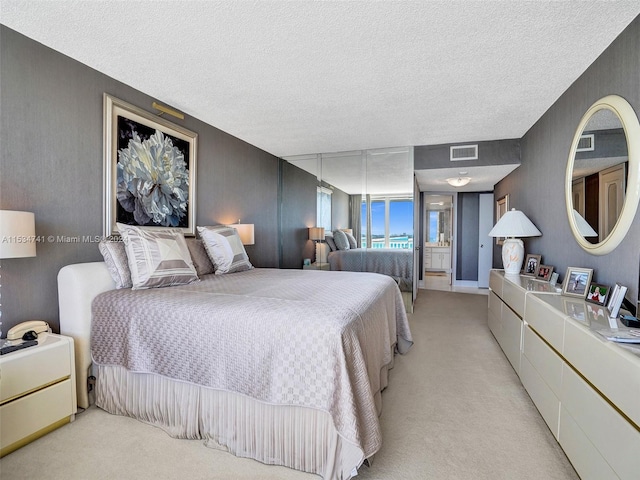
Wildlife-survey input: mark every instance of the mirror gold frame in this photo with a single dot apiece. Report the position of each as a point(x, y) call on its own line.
point(631, 126)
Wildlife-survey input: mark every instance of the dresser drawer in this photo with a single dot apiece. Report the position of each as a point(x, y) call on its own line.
point(511, 337)
point(542, 396)
point(514, 297)
point(584, 456)
point(546, 320)
point(547, 363)
point(609, 367)
point(616, 440)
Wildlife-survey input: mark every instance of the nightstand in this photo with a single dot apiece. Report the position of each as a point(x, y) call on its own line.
point(316, 266)
point(37, 391)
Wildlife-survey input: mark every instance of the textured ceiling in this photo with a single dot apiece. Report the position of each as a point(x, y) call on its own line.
point(316, 76)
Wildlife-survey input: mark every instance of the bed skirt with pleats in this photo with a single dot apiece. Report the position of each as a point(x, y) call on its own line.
point(296, 437)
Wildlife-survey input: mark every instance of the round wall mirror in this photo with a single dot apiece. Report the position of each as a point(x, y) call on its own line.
point(602, 184)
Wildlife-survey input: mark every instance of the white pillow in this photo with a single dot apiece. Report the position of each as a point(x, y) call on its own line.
point(157, 258)
point(225, 249)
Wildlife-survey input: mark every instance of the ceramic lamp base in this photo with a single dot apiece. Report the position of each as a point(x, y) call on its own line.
point(512, 255)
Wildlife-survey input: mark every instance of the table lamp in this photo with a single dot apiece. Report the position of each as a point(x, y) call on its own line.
point(245, 232)
point(17, 236)
point(513, 224)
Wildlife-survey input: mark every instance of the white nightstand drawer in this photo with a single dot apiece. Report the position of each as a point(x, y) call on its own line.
point(30, 417)
point(28, 369)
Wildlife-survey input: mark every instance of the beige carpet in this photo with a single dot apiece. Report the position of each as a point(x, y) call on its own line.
point(454, 409)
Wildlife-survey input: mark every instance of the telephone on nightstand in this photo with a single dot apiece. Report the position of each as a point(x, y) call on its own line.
point(28, 330)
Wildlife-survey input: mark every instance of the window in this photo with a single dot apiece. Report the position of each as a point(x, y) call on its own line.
point(391, 222)
point(323, 208)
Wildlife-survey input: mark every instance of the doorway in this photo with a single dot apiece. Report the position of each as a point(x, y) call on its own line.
point(438, 235)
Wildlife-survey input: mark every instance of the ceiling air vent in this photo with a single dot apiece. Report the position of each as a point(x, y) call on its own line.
point(586, 143)
point(463, 152)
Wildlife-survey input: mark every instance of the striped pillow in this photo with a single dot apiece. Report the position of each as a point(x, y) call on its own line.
point(157, 258)
point(225, 249)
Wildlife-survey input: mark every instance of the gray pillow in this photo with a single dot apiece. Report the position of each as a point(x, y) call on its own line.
point(115, 258)
point(341, 240)
point(331, 243)
point(352, 240)
point(199, 255)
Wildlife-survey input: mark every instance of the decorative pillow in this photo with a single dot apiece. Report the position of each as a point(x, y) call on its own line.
point(199, 255)
point(225, 249)
point(341, 240)
point(115, 257)
point(331, 243)
point(157, 258)
point(352, 240)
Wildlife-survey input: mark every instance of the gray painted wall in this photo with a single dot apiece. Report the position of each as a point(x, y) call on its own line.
point(495, 152)
point(298, 213)
point(537, 186)
point(51, 125)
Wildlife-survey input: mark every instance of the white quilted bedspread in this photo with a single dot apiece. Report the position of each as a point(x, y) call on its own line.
point(288, 337)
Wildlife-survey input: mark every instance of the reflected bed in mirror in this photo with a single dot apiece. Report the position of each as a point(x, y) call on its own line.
point(602, 175)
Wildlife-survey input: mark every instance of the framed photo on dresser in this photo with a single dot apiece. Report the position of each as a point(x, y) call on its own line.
point(531, 264)
point(576, 282)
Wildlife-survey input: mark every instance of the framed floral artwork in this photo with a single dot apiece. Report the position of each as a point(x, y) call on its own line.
point(149, 170)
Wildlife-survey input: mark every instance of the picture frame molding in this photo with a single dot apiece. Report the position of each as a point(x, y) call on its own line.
point(571, 271)
point(114, 107)
point(502, 207)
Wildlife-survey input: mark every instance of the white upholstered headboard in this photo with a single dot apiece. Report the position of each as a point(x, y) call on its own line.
point(78, 284)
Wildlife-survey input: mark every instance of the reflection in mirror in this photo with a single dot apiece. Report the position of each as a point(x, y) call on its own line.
point(599, 173)
point(368, 194)
point(602, 182)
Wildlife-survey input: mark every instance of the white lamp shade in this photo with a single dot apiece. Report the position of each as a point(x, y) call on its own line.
point(245, 232)
point(514, 223)
point(583, 226)
point(17, 234)
point(316, 233)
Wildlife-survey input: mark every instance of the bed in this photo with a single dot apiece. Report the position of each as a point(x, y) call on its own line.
point(394, 262)
point(283, 366)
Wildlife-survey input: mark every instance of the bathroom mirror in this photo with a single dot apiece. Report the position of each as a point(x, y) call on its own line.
point(602, 185)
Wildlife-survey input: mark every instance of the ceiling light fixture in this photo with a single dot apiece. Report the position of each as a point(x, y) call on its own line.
point(458, 181)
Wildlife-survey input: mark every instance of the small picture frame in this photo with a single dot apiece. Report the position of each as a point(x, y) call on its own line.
point(598, 294)
point(531, 264)
point(306, 262)
point(554, 278)
point(616, 299)
point(544, 272)
point(576, 282)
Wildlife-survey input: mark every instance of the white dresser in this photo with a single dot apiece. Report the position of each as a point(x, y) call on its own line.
point(586, 388)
